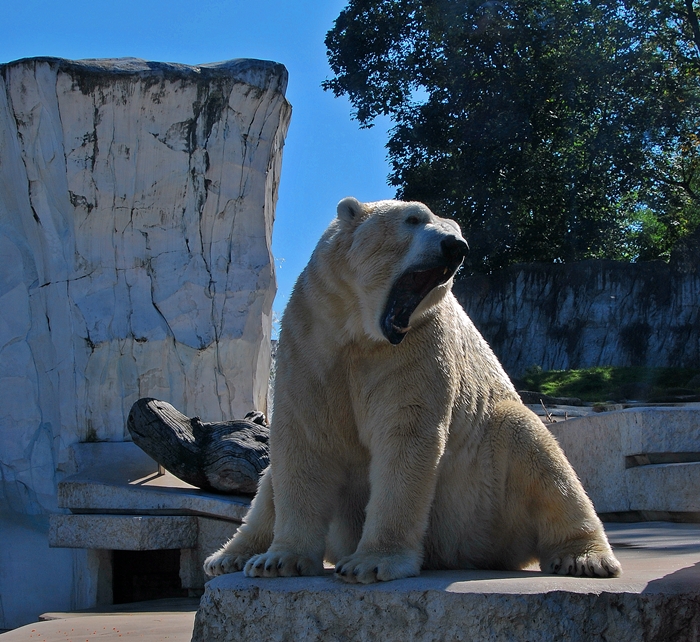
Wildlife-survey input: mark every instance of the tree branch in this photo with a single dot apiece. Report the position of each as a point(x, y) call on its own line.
point(684, 185)
point(693, 21)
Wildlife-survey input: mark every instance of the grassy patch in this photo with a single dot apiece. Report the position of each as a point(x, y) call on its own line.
point(611, 383)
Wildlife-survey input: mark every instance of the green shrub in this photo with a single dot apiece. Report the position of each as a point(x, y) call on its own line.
point(610, 382)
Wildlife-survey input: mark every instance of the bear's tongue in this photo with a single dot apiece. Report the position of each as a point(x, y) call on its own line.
point(405, 296)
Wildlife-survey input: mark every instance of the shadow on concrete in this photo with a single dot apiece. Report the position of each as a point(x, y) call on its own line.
point(681, 581)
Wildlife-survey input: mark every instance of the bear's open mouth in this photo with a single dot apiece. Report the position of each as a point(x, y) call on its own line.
point(407, 293)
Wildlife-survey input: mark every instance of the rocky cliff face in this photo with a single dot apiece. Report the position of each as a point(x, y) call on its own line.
point(590, 313)
point(136, 209)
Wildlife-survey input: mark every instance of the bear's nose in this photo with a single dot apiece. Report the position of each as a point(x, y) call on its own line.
point(454, 248)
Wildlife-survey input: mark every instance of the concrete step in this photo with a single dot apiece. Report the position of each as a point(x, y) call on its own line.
point(124, 532)
point(173, 627)
point(671, 487)
point(153, 621)
point(656, 599)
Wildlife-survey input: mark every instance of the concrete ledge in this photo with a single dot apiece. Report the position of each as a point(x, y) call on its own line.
point(122, 532)
point(108, 492)
point(118, 477)
point(657, 598)
point(680, 484)
point(599, 447)
point(154, 495)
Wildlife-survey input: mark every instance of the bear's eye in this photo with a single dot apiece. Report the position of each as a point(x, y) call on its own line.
point(413, 220)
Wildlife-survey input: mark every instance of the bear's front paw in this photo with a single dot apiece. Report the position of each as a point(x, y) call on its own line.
point(366, 568)
point(280, 564)
point(222, 562)
point(588, 564)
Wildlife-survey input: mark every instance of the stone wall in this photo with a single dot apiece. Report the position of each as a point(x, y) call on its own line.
point(590, 313)
point(136, 208)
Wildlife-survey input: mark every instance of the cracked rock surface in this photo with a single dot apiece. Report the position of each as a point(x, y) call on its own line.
point(590, 313)
point(136, 208)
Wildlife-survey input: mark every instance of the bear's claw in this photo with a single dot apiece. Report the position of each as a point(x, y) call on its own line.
point(367, 568)
point(279, 564)
point(589, 565)
point(221, 563)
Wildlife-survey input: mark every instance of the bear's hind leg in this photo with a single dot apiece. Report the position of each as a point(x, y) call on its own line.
point(570, 536)
point(254, 535)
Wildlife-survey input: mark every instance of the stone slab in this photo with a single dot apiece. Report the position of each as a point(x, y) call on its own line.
point(196, 537)
point(127, 505)
point(112, 491)
point(123, 532)
point(212, 534)
point(560, 412)
point(657, 598)
point(118, 477)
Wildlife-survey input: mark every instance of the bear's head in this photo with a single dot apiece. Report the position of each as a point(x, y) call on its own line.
point(401, 259)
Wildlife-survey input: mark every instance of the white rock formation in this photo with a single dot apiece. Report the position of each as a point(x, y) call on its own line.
point(136, 209)
point(136, 202)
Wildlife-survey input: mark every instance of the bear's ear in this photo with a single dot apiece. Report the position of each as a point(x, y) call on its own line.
point(351, 211)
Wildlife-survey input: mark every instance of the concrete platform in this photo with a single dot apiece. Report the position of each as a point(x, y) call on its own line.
point(657, 598)
point(155, 621)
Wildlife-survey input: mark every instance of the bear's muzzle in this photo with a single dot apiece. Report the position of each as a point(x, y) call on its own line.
point(416, 283)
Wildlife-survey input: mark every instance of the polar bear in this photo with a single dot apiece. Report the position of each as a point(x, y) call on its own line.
point(398, 441)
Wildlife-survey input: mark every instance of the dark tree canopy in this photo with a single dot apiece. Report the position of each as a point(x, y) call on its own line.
point(552, 130)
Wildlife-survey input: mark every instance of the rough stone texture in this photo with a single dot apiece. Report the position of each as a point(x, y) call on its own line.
point(136, 209)
point(137, 202)
point(657, 598)
point(123, 532)
point(599, 445)
point(590, 313)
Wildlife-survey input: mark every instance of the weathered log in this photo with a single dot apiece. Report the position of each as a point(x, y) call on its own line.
point(227, 457)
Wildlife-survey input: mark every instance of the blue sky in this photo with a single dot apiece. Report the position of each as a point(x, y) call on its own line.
point(326, 156)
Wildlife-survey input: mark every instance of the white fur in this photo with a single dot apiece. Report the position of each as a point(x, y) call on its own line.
point(391, 458)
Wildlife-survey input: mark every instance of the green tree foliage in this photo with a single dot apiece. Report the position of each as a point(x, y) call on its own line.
point(552, 130)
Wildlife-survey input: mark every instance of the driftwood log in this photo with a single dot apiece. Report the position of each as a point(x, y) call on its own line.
point(226, 457)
